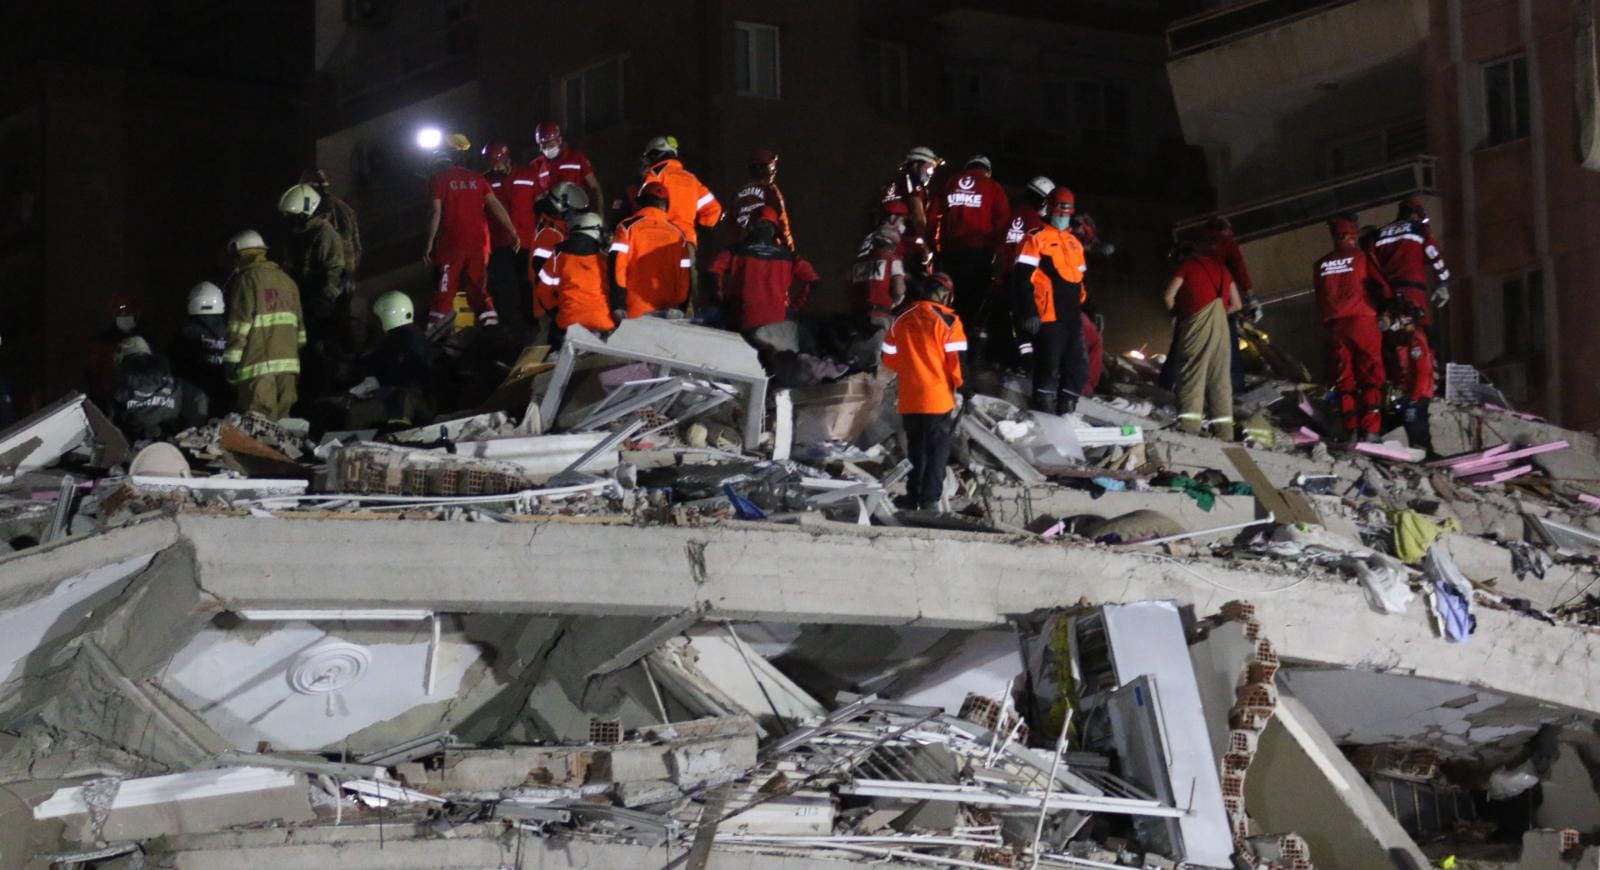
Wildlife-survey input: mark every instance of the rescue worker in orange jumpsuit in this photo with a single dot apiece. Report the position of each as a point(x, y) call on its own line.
point(969, 219)
point(690, 204)
point(458, 235)
point(1409, 259)
point(508, 275)
point(1027, 214)
point(1047, 288)
point(924, 346)
point(761, 191)
point(1346, 286)
point(910, 186)
point(574, 282)
point(651, 260)
point(558, 162)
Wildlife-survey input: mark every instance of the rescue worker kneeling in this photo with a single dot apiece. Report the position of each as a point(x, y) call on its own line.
point(574, 283)
point(924, 346)
point(402, 365)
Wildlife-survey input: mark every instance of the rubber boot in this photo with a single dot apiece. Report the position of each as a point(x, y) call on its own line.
point(1419, 430)
point(1045, 403)
point(1066, 403)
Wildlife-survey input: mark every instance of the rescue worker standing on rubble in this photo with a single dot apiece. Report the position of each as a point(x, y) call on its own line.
point(969, 219)
point(756, 278)
point(1346, 286)
point(1224, 248)
point(1027, 214)
point(316, 261)
point(1047, 289)
point(507, 273)
point(341, 215)
point(690, 205)
point(101, 369)
point(910, 186)
point(575, 284)
point(198, 348)
point(651, 258)
point(924, 346)
point(265, 330)
point(1200, 297)
point(1409, 260)
point(458, 235)
point(558, 162)
point(878, 276)
point(761, 191)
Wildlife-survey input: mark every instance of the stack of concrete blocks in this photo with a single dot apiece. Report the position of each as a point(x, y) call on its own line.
point(1255, 703)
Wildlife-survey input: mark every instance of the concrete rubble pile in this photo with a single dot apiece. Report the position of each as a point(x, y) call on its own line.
point(645, 611)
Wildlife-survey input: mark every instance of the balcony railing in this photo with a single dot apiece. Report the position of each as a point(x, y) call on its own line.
point(1352, 193)
point(1208, 30)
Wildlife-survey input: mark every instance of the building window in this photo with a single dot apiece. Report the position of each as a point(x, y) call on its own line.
point(1505, 93)
point(966, 92)
point(888, 76)
point(592, 98)
point(757, 68)
point(1522, 304)
point(1100, 105)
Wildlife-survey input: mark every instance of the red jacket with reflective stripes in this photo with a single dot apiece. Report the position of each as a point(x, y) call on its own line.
point(922, 346)
point(1407, 255)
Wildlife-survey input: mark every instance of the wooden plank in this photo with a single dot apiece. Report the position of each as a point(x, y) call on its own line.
point(1271, 498)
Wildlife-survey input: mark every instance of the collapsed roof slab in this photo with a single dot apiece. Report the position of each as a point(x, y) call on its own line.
point(837, 573)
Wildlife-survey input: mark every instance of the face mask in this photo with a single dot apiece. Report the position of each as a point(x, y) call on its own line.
point(551, 152)
point(1061, 221)
point(125, 323)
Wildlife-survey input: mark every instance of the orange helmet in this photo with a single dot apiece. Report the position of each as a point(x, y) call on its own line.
point(1062, 201)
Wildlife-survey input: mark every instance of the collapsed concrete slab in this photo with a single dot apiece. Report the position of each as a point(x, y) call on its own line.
point(851, 575)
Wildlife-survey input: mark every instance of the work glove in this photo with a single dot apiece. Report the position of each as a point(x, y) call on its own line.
point(1441, 295)
point(230, 372)
point(967, 391)
point(1030, 325)
point(1099, 321)
point(1252, 310)
point(619, 314)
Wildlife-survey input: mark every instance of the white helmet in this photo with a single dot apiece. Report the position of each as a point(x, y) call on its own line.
point(661, 145)
point(569, 196)
point(133, 345)
point(587, 223)
point(206, 298)
point(302, 199)
point(922, 154)
point(245, 241)
point(394, 309)
point(1041, 186)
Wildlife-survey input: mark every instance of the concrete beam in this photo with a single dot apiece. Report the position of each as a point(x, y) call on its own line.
point(850, 574)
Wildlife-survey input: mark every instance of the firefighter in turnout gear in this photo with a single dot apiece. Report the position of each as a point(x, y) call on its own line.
point(265, 330)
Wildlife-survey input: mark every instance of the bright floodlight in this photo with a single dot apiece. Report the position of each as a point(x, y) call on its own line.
point(429, 138)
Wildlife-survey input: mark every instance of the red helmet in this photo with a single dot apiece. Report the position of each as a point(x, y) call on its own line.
point(1220, 226)
point(547, 134)
point(1342, 226)
point(896, 207)
point(124, 305)
point(1062, 200)
point(496, 152)
point(764, 161)
point(1413, 209)
point(654, 190)
point(940, 282)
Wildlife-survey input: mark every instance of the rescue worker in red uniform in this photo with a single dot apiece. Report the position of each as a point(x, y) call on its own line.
point(458, 235)
point(1047, 286)
point(878, 276)
point(508, 276)
point(761, 191)
point(1088, 233)
point(924, 346)
point(1409, 260)
point(1346, 286)
point(557, 162)
point(969, 219)
point(910, 186)
point(756, 278)
point(1027, 214)
point(575, 282)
